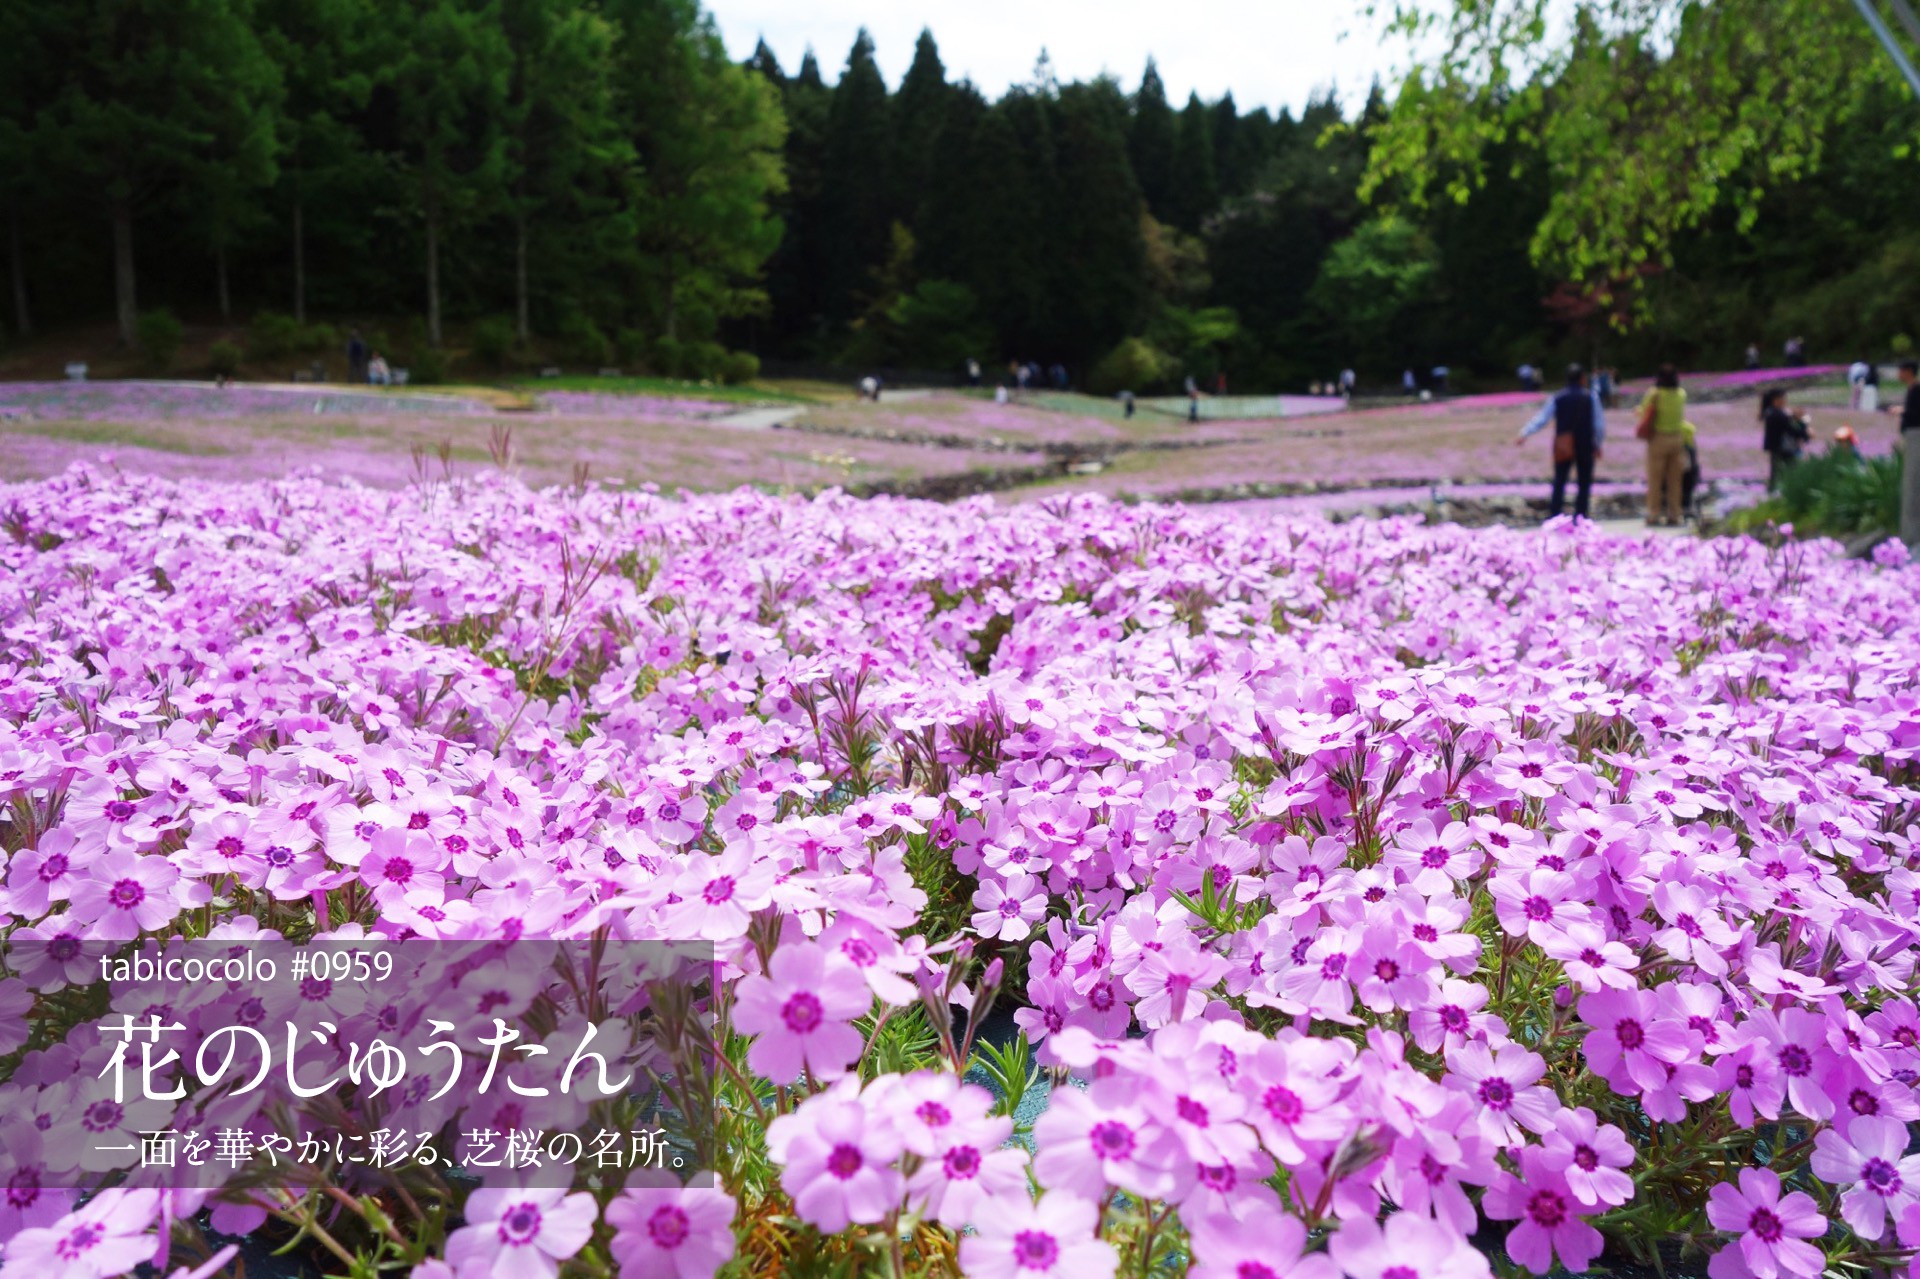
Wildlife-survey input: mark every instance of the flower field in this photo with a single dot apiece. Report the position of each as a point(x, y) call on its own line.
point(1093, 888)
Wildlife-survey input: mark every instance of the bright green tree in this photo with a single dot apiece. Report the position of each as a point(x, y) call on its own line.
point(150, 91)
point(1373, 283)
point(1650, 114)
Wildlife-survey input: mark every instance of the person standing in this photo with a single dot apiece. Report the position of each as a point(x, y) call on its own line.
point(1347, 381)
point(973, 371)
point(1753, 355)
point(1663, 424)
point(1579, 433)
point(1783, 434)
point(1856, 382)
point(356, 357)
point(1406, 382)
point(1909, 462)
point(1870, 389)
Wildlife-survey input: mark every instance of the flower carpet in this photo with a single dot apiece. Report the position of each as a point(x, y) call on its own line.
point(1369, 895)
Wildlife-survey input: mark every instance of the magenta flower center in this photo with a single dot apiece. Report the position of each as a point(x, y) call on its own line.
point(126, 893)
point(1796, 1061)
point(718, 890)
point(1547, 1209)
point(802, 1012)
point(1111, 1140)
point(1538, 908)
point(1387, 970)
point(962, 1163)
point(1629, 1033)
point(398, 871)
point(1035, 1250)
point(118, 810)
point(844, 1160)
point(1496, 1093)
point(1766, 1226)
point(1434, 858)
point(1881, 1176)
point(520, 1224)
point(1586, 1157)
point(668, 1227)
point(1283, 1104)
point(1191, 1112)
point(78, 1241)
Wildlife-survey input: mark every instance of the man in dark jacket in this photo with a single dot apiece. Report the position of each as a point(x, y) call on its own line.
point(1578, 417)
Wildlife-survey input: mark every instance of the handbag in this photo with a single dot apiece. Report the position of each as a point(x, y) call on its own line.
point(1562, 448)
point(1643, 429)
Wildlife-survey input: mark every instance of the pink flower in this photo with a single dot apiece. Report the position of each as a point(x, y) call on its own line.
point(1772, 1229)
point(1503, 1084)
point(800, 1010)
point(1008, 910)
point(1871, 1159)
point(1260, 1246)
point(1409, 1246)
point(108, 1235)
point(838, 1160)
point(1054, 1237)
point(125, 894)
point(515, 1233)
point(662, 1232)
point(718, 895)
point(1590, 1155)
point(1630, 1044)
point(1547, 1212)
point(1087, 1146)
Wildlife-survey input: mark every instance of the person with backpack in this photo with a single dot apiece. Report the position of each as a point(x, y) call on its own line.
point(1663, 425)
point(1784, 434)
point(1579, 431)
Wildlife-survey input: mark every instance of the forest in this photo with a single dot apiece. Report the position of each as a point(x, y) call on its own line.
point(501, 182)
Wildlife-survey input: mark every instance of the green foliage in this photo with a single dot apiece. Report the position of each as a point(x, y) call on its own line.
point(1652, 115)
point(159, 338)
point(1133, 365)
point(938, 326)
point(1832, 494)
point(492, 342)
point(582, 342)
point(274, 335)
point(739, 368)
point(1196, 336)
point(223, 359)
point(1374, 280)
point(428, 367)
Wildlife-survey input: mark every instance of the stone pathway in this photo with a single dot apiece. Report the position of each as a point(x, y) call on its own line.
point(757, 419)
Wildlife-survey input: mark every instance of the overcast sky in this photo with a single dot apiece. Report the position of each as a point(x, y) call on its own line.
point(1270, 53)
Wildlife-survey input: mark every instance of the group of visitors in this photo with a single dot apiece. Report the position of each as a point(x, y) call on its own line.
point(1578, 417)
point(1579, 420)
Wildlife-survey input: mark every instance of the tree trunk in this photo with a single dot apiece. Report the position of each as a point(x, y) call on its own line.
point(299, 263)
point(22, 318)
point(521, 328)
point(125, 305)
point(220, 275)
point(433, 277)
